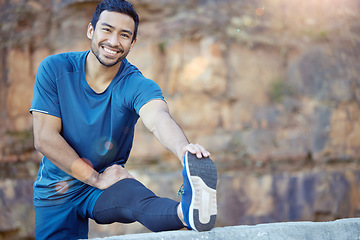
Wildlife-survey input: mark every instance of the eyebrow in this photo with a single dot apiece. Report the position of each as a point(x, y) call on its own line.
point(112, 27)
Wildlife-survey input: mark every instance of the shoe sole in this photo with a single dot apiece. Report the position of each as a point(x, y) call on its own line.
point(203, 180)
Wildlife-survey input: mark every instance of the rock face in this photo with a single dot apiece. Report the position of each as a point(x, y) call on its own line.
point(270, 87)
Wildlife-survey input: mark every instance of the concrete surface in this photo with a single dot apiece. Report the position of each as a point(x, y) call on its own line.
point(344, 229)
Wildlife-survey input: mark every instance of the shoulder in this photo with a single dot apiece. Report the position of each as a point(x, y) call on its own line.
point(63, 62)
point(134, 75)
point(136, 82)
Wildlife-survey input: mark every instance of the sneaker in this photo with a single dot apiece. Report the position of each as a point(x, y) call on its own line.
point(199, 193)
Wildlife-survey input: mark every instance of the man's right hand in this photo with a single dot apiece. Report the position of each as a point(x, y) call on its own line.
point(110, 176)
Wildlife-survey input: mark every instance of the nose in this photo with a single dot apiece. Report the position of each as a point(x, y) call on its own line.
point(113, 40)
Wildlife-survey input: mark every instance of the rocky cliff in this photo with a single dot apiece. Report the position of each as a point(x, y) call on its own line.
point(270, 87)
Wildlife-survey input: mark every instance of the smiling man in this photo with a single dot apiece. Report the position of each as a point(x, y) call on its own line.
point(85, 106)
point(109, 44)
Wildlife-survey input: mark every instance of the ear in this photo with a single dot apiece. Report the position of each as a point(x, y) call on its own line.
point(90, 31)
point(133, 43)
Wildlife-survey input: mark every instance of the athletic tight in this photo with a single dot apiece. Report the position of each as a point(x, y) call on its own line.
point(129, 200)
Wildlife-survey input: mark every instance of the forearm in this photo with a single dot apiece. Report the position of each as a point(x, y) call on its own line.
point(50, 142)
point(170, 135)
point(59, 152)
point(156, 117)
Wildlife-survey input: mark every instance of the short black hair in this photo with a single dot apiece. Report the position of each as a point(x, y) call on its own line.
point(120, 6)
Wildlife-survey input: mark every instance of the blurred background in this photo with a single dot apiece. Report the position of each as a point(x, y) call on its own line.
point(270, 87)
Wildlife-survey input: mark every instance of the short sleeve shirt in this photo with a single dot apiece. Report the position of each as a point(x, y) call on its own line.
point(98, 126)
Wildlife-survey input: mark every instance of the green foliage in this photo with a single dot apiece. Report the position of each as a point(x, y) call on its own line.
point(316, 34)
point(162, 47)
point(24, 135)
point(278, 90)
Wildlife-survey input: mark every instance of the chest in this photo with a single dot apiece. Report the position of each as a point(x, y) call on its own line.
point(83, 107)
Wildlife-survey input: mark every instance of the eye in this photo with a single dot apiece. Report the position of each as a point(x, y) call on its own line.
point(124, 35)
point(106, 29)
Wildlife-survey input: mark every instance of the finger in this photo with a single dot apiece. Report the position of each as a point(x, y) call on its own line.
point(114, 167)
point(192, 148)
point(198, 150)
point(125, 174)
point(201, 151)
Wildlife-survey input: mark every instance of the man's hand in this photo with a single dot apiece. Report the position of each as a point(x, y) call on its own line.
point(111, 175)
point(197, 149)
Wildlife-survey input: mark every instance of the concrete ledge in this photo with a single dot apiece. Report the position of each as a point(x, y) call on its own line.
point(344, 229)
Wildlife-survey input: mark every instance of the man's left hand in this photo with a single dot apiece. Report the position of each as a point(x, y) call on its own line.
point(196, 149)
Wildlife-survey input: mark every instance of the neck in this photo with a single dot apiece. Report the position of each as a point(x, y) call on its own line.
point(97, 75)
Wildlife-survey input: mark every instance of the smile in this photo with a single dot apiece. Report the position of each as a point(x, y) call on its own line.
point(110, 51)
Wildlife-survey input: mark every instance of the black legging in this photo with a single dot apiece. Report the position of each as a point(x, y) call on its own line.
point(129, 200)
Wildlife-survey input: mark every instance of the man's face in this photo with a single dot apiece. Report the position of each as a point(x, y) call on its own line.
point(111, 40)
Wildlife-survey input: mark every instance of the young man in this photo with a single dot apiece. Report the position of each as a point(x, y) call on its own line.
point(84, 108)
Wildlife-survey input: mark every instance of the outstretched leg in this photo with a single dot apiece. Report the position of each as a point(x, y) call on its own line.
point(129, 200)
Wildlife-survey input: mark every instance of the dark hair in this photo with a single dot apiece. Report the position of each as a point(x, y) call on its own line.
point(120, 6)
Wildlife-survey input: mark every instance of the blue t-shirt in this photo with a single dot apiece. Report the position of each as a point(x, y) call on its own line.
point(98, 126)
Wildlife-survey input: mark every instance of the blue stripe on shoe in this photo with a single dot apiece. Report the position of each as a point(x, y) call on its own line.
point(186, 196)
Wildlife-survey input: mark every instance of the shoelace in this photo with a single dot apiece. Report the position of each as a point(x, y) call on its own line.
point(180, 191)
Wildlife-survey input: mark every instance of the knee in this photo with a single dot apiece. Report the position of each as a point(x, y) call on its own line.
point(127, 192)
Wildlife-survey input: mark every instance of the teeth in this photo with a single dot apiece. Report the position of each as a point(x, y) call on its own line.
point(110, 51)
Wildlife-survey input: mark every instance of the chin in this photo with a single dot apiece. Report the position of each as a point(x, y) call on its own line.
point(109, 63)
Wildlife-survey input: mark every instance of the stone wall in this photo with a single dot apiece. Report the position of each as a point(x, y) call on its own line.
point(344, 229)
point(270, 87)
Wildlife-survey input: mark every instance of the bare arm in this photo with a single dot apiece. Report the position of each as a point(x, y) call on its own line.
point(49, 142)
point(156, 117)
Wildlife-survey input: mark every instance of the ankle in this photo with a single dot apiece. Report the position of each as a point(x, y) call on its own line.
point(181, 215)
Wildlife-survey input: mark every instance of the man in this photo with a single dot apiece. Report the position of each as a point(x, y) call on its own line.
point(84, 108)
